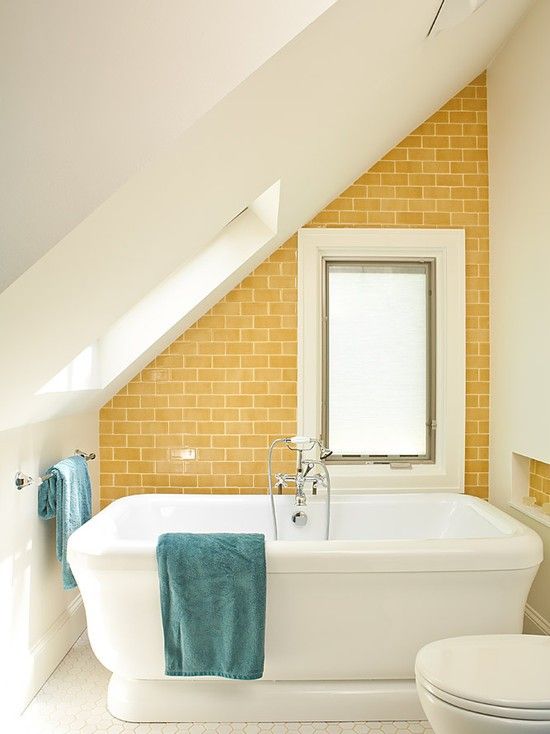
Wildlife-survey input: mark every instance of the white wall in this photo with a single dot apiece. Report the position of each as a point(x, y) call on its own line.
point(39, 621)
point(519, 156)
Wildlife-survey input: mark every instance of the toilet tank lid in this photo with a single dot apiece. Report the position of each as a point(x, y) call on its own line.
point(500, 670)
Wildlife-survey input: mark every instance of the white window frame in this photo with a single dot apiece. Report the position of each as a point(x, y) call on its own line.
point(446, 248)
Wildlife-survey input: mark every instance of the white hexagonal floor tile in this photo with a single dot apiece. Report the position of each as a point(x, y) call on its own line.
point(72, 701)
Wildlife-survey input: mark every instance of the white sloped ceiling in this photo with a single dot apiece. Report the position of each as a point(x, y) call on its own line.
point(91, 91)
point(313, 117)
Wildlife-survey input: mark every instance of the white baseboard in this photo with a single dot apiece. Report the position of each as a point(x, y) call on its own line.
point(46, 654)
point(535, 623)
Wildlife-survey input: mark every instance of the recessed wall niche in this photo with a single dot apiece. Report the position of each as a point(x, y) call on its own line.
point(531, 487)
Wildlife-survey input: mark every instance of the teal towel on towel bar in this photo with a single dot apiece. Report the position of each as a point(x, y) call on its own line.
point(212, 595)
point(67, 496)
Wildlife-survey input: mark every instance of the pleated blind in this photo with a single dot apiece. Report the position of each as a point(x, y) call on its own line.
point(377, 358)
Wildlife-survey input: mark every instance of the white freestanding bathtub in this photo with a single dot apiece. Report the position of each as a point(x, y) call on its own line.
point(345, 617)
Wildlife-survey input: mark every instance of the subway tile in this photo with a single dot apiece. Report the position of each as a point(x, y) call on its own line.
point(228, 384)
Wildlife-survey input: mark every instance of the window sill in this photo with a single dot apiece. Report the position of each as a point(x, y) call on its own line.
point(382, 478)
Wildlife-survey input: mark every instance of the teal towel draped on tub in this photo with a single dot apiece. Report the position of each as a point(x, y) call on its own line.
point(67, 496)
point(212, 594)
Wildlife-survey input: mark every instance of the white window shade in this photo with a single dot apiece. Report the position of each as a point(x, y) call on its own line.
point(377, 359)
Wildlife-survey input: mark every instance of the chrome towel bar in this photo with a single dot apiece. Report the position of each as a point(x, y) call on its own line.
point(24, 480)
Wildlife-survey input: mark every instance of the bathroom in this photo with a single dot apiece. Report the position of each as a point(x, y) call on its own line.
point(277, 270)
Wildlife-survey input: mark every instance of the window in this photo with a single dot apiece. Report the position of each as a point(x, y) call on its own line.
point(381, 355)
point(378, 360)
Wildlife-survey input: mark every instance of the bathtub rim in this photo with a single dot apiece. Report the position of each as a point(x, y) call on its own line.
point(93, 547)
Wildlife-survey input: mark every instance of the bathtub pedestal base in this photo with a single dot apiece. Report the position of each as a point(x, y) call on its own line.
point(263, 700)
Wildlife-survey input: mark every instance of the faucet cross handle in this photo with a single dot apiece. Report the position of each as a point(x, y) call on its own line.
point(281, 481)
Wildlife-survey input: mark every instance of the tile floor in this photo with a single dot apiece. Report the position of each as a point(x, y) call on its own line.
point(73, 702)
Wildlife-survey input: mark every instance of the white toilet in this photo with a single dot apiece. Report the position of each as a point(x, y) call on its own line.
point(486, 684)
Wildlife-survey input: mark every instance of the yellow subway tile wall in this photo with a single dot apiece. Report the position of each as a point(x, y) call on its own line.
point(539, 481)
point(227, 386)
